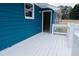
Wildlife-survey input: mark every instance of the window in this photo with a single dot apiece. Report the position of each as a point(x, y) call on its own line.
point(29, 11)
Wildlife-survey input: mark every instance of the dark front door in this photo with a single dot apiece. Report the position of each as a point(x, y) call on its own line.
point(46, 21)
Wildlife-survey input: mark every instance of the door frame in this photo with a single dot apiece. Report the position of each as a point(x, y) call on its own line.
point(50, 19)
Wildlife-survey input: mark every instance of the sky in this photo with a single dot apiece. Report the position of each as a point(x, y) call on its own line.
point(64, 4)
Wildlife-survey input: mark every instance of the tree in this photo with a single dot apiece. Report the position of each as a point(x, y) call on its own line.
point(74, 14)
point(65, 11)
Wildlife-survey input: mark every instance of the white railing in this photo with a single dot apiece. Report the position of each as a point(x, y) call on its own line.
point(59, 29)
point(72, 28)
point(73, 38)
point(72, 32)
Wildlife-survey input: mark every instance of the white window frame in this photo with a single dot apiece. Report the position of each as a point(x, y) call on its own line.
point(33, 14)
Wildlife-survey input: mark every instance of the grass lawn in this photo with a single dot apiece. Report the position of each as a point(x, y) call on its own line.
point(61, 29)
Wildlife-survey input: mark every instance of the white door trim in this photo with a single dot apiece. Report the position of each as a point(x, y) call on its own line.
point(50, 19)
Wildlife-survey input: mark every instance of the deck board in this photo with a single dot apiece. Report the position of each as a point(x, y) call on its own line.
point(42, 44)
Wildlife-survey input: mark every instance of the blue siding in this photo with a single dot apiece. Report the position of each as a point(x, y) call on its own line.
point(53, 15)
point(54, 18)
point(14, 27)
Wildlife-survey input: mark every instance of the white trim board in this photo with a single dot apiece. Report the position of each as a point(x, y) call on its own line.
point(50, 19)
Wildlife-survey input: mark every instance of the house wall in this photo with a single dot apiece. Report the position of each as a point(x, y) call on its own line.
point(54, 18)
point(14, 27)
point(53, 14)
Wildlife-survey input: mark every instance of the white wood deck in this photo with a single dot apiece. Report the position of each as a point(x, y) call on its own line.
point(42, 44)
